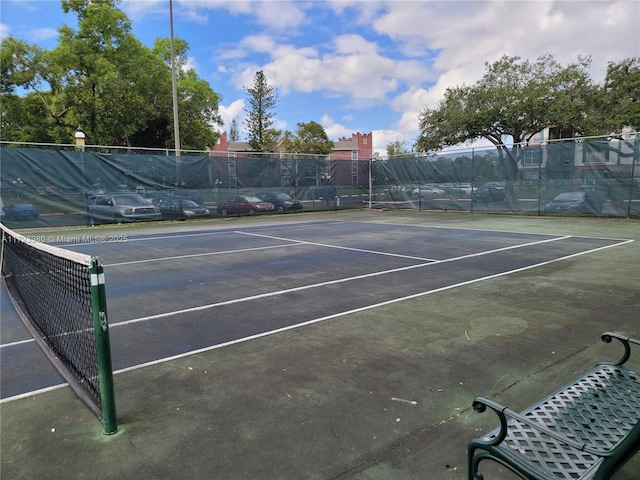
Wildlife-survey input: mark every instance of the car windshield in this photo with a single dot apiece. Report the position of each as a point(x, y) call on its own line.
point(189, 204)
point(129, 200)
point(253, 199)
point(570, 197)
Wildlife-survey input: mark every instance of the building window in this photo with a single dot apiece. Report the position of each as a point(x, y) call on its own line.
point(591, 177)
point(591, 155)
point(354, 155)
point(531, 156)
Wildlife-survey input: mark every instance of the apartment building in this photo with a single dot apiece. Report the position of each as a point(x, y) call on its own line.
point(235, 164)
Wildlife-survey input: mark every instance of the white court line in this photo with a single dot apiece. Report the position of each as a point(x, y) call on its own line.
point(19, 342)
point(472, 229)
point(329, 317)
point(34, 392)
point(323, 284)
point(362, 250)
point(177, 257)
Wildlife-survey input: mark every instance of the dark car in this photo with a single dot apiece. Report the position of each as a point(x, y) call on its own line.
point(181, 209)
point(192, 195)
point(21, 211)
point(488, 194)
point(327, 193)
point(281, 201)
point(119, 208)
point(580, 202)
point(244, 204)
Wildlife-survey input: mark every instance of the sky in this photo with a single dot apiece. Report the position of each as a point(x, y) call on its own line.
point(355, 65)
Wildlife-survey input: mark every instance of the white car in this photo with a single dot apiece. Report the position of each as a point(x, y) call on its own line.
point(120, 208)
point(428, 191)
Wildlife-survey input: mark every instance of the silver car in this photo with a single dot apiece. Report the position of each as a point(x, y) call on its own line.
point(120, 208)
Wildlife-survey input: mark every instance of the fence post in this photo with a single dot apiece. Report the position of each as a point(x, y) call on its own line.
point(103, 347)
point(632, 180)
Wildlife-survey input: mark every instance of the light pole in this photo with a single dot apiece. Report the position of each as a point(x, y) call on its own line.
point(176, 124)
point(80, 138)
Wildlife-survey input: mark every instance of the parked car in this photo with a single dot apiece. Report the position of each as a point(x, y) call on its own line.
point(281, 201)
point(192, 195)
point(244, 204)
point(328, 193)
point(181, 209)
point(588, 202)
point(601, 191)
point(488, 194)
point(21, 211)
point(119, 208)
point(428, 191)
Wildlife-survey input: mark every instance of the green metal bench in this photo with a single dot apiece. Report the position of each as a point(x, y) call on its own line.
point(585, 430)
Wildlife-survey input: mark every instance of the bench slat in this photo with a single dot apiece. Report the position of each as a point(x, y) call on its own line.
point(595, 420)
point(599, 410)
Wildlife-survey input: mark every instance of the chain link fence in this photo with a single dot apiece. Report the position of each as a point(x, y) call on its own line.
point(50, 185)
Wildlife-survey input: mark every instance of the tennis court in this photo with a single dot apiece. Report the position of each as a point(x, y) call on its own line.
point(254, 300)
point(178, 294)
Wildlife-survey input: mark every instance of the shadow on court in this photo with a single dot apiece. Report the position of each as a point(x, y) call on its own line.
point(382, 393)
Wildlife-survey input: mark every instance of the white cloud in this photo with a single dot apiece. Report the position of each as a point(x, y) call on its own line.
point(334, 130)
point(234, 110)
point(279, 15)
point(41, 34)
point(460, 37)
point(382, 138)
point(5, 31)
point(352, 68)
point(141, 9)
point(191, 64)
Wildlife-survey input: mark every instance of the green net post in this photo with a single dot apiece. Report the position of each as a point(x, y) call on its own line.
point(103, 347)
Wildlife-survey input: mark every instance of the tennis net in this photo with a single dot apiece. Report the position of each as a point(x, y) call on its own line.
point(59, 295)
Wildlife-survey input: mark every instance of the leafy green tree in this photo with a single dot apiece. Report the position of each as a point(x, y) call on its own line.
point(102, 78)
point(263, 99)
point(621, 96)
point(397, 147)
point(197, 102)
point(309, 137)
point(513, 101)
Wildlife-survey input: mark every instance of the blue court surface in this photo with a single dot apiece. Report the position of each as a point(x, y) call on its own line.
point(175, 294)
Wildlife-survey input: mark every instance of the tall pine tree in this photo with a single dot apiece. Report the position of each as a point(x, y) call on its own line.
point(263, 99)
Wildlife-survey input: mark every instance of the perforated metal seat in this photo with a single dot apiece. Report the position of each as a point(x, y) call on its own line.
point(584, 430)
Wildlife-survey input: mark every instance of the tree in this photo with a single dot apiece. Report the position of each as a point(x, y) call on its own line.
point(234, 135)
point(311, 140)
point(102, 78)
point(309, 137)
point(263, 99)
point(621, 96)
point(513, 101)
point(197, 102)
point(397, 147)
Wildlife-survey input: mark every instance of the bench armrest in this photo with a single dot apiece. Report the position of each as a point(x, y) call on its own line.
point(480, 405)
point(607, 337)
